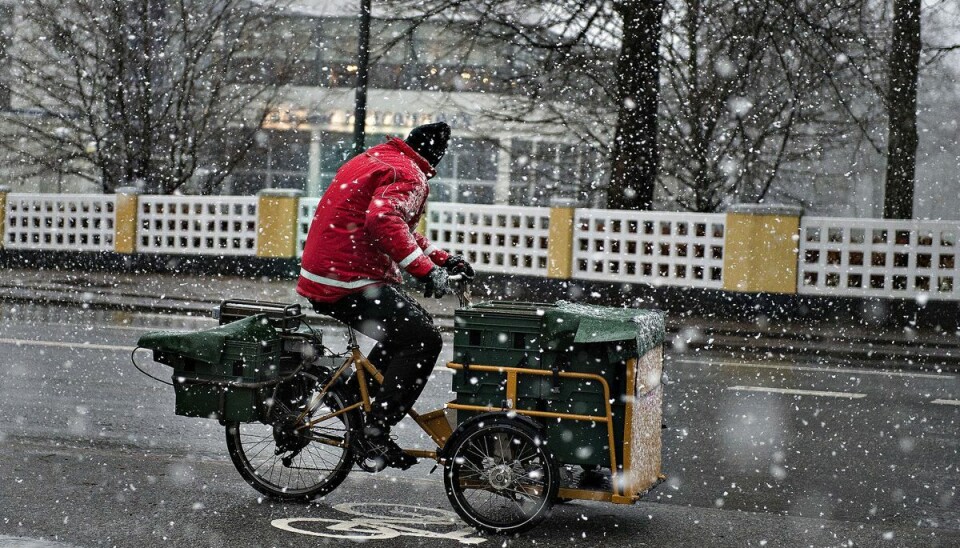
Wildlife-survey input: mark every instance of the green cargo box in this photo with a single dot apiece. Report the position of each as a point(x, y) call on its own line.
point(562, 337)
point(218, 402)
point(503, 334)
point(206, 363)
point(246, 350)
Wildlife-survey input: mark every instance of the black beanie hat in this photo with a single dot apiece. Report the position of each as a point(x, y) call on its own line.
point(430, 141)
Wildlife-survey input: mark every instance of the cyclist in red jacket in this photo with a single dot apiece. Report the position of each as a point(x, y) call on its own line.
point(360, 238)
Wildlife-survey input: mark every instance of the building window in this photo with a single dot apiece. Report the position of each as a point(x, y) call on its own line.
point(430, 56)
point(278, 159)
point(540, 170)
point(467, 173)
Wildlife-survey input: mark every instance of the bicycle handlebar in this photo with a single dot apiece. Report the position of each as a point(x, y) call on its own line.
point(460, 284)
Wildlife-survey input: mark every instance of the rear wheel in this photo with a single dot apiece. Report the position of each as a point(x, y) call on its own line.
point(500, 477)
point(288, 462)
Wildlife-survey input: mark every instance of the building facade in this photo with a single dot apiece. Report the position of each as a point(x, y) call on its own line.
point(419, 74)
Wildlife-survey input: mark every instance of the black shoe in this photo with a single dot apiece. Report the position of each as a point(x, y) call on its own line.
point(379, 448)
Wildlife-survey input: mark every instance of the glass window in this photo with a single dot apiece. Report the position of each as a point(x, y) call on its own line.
point(468, 172)
point(277, 159)
point(477, 159)
point(390, 42)
point(246, 183)
point(540, 170)
point(475, 193)
point(335, 149)
point(337, 39)
point(290, 151)
point(441, 191)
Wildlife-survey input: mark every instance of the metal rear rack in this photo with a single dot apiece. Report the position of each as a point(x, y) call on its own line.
point(283, 316)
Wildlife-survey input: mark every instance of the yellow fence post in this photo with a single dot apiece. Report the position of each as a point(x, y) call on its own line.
point(277, 215)
point(560, 242)
point(760, 248)
point(125, 220)
point(4, 190)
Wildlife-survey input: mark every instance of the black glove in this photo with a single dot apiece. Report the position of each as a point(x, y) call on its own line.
point(438, 283)
point(456, 264)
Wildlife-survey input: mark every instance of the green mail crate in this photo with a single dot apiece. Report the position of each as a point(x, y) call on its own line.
point(562, 337)
point(583, 442)
point(503, 334)
point(207, 363)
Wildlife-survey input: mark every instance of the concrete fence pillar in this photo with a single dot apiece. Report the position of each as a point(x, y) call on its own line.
point(560, 240)
point(760, 248)
point(125, 220)
point(277, 217)
point(4, 190)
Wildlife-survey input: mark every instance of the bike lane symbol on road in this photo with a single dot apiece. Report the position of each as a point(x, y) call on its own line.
point(382, 521)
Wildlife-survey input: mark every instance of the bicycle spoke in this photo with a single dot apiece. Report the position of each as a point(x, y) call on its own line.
point(283, 461)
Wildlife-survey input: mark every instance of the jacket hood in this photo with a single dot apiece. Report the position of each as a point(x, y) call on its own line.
point(407, 150)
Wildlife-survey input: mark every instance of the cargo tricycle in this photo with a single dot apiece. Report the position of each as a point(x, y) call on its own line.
point(554, 402)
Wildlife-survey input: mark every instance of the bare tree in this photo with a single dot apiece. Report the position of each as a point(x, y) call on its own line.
point(757, 91)
point(147, 92)
point(712, 100)
point(591, 67)
point(902, 138)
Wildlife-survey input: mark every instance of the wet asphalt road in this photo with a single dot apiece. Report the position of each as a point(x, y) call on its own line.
point(764, 453)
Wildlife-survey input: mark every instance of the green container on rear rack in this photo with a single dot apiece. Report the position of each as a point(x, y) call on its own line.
point(244, 351)
point(512, 334)
point(245, 362)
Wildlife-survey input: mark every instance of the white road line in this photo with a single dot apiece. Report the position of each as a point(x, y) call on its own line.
point(947, 402)
point(25, 542)
point(849, 395)
point(857, 371)
point(74, 345)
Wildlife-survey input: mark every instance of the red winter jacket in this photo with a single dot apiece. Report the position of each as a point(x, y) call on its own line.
point(364, 225)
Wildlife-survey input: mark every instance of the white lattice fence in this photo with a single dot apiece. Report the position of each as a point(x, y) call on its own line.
point(502, 239)
point(881, 258)
point(69, 222)
point(305, 212)
point(683, 249)
point(198, 225)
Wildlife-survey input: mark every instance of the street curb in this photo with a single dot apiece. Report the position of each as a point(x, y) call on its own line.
point(880, 354)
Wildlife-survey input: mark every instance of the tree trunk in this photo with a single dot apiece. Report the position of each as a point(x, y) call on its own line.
point(902, 107)
point(635, 157)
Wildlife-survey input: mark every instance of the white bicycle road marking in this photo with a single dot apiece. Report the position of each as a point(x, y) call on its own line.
point(383, 521)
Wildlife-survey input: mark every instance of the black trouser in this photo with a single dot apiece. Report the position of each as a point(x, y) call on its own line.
point(407, 348)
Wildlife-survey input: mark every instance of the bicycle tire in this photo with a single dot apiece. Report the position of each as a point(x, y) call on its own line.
point(491, 457)
point(266, 474)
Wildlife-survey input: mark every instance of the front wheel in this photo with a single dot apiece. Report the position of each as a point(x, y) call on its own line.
point(290, 463)
point(500, 477)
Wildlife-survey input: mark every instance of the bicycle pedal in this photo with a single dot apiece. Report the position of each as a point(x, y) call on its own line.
point(372, 464)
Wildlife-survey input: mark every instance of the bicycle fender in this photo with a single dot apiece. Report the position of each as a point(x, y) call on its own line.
point(471, 422)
